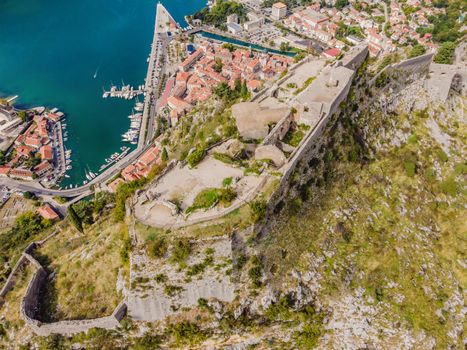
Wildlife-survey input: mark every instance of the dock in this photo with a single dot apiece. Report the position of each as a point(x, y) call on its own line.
point(61, 148)
point(127, 92)
point(11, 99)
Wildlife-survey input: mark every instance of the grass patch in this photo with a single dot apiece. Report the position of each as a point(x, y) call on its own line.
point(77, 259)
point(210, 197)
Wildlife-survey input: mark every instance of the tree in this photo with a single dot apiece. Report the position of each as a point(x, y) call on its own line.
point(218, 65)
point(74, 218)
point(195, 157)
point(285, 46)
point(445, 53)
point(417, 50)
point(340, 4)
point(244, 90)
point(23, 116)
point(164, 156)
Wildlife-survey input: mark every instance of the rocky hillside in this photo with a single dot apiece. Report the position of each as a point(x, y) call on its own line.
point(375, 239)
point(367, 251)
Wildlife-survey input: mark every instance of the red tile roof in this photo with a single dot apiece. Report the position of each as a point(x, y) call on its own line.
point(47, 212)
point(46, 152)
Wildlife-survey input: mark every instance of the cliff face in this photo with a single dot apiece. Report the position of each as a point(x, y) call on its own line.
point(373, 228)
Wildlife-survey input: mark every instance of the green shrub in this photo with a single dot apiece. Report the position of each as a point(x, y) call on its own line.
point(445, 53)
point(195, 157)
point(146, 342)
point(308, 337)
point(156, 247)
point(171, 290)
point(417, 50)
point(410, 168)
point(185, 333)
point(279, 310)
point(413, 138)
point(449, 187)
point(258, 209)
point(227, 181)
point(181, 250)
point(125, 250)
point(161, 278)
point(74, 219)
point(212, 196)
point(293, 137)
point(255, 271)
point(442, 156)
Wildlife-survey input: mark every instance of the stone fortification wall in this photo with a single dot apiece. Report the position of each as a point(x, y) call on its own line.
point(263, 94)
point(279, 130)
point(22, 261)
point(309, 143)
point(409, 68)
point(10, 282)
point(30, 306)
point(354, 58)
point(31, 300)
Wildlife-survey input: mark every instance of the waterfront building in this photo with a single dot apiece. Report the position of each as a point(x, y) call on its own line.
point(43, 168)
point(4, 170)
point(254, 22)
point(46, 152)
point(22, 174)
point(190, 60)
point(234, 28)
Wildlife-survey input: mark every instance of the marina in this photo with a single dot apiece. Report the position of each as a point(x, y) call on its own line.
point(126, 92)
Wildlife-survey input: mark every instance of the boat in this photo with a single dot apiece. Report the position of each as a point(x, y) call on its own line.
point(69, 167)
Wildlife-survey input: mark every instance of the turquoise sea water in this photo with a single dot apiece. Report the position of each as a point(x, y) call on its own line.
point(50, 50)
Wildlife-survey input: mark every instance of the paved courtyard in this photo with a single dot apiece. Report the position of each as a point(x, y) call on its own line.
point(182, 184)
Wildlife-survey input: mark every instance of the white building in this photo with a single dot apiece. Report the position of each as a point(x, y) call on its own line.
point(254, 22)
point(233, 18)
point(279, 10)
point(234, 28)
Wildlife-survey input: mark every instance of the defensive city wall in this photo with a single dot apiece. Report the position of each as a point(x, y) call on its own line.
point(337, 81)
point(31, 300)
point(341, 82)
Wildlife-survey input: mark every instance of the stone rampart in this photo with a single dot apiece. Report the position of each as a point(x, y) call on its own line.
point(355, 57)
point(30, 306)
point(416, 65)
point(279, 130)
point(310, 140)
point(30, 303)
point(22, 261)
point(10, 282)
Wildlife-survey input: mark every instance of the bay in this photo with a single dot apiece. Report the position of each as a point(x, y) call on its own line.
point(51, 49)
